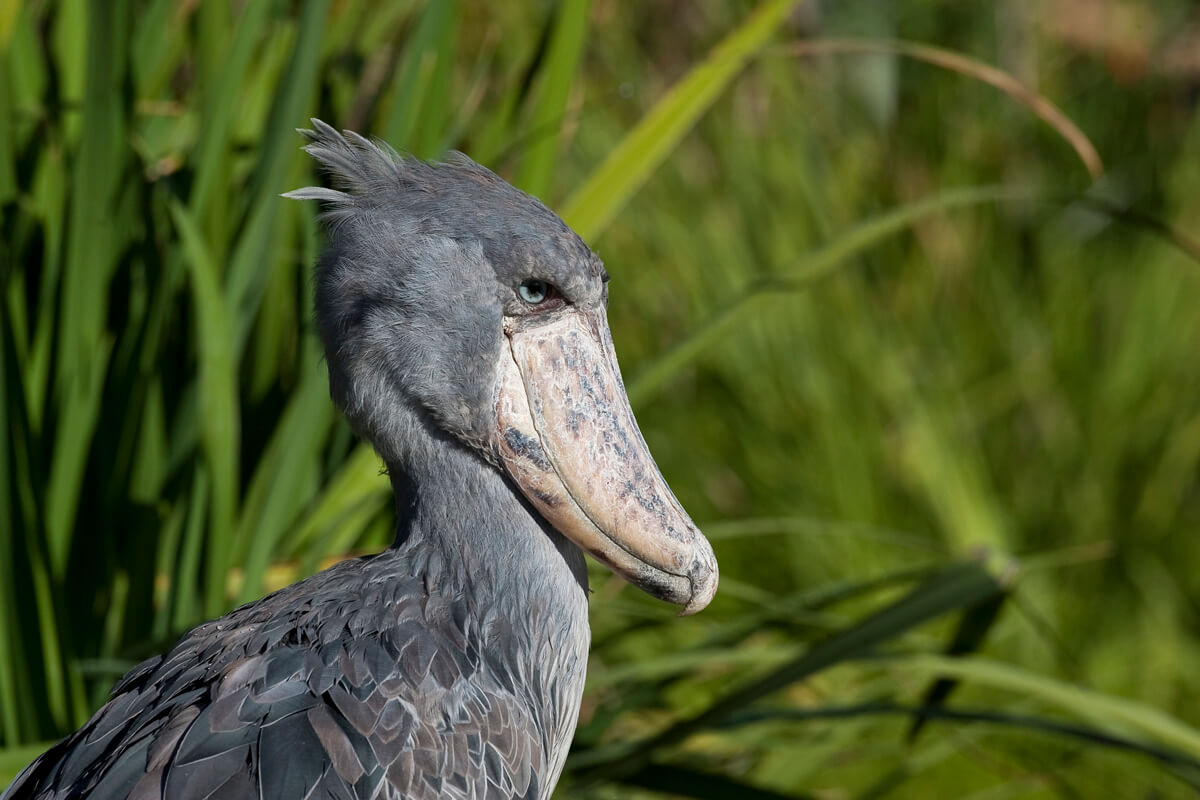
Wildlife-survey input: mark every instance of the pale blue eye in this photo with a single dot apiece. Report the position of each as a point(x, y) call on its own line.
point(533, 291)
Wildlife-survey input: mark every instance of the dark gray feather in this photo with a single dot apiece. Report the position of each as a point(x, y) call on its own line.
point(452, 664)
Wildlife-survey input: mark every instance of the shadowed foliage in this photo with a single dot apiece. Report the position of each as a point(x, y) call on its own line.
point(930, 388)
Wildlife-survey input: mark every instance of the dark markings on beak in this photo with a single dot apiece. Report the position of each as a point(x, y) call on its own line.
point(527, 447)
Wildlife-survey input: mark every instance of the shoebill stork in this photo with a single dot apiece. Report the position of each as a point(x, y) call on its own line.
point(466, 336)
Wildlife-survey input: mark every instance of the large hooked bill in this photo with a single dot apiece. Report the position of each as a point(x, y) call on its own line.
point(568, 439)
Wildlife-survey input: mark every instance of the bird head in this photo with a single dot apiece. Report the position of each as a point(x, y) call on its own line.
point(446, 289)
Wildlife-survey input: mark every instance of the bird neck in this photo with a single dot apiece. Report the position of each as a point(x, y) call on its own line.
point(469, 531)
point(512, 588)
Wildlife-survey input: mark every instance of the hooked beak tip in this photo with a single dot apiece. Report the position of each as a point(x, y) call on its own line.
point(703, 577)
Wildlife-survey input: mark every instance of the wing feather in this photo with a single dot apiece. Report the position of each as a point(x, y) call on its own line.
point(284, 699)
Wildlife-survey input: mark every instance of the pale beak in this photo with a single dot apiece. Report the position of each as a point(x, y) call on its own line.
point(568, 439)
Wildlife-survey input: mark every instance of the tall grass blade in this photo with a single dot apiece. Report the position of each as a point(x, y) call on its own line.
point(246, 277)
point(8, 172)
point(155, 44)
point(291, 461)
point(567, 43)
point(1106, 711)
point(799, 275)
point(83, 343)
point(1038, 103)
point(630, 163)
point(359, 483)
point(212, 163)
point(9, 11)
point(1025, 722)
point(677, 781)
point(219, 413)
point(10, 662)
point(425, 51)
point(49, 196)
point(957, 587)
point(187, 598)
point(968, 638)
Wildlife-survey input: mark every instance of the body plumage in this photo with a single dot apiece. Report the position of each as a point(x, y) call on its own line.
point(465, 334)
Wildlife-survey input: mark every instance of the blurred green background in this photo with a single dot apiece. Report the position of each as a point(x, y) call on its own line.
point(924, 366)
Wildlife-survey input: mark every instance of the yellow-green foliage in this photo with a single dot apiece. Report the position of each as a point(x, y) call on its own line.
point(932, 389)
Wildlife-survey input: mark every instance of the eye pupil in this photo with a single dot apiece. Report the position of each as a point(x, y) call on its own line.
point(533, 291)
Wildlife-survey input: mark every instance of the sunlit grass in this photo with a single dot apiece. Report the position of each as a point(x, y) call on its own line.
point(934, 388)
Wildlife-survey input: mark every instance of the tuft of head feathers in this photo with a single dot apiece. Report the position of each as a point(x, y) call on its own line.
point(356, 163)
point(456, 198)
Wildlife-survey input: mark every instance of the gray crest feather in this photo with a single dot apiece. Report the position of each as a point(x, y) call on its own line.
point(367, 173)
point(355, 164)
point(457, 198)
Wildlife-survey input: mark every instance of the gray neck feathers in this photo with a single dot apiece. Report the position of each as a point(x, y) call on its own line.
point(464, 526)
point(501, 576)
